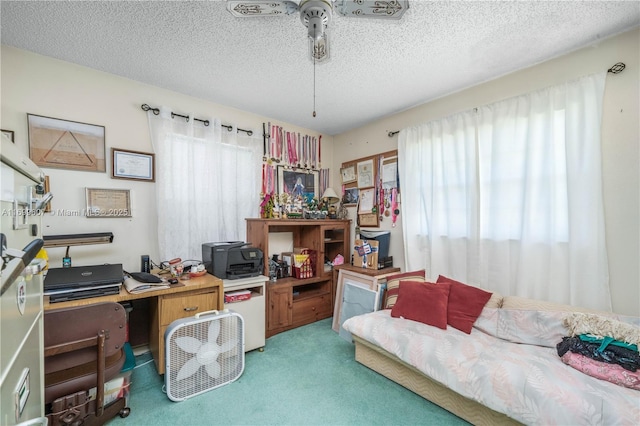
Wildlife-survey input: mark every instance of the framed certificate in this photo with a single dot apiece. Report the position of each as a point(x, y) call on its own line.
point(366, 174)
point(134, 165)
point(108, 202)
point(348, 174)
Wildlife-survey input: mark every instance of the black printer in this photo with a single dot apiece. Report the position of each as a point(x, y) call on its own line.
point(232, 259)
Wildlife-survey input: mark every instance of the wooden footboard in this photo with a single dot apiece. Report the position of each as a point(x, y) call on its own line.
point(411, 378)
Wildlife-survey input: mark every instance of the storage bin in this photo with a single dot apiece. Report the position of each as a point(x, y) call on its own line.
point(309, 269)
point(118, 387)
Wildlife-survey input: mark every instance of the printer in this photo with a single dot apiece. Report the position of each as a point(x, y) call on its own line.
point(232, 259)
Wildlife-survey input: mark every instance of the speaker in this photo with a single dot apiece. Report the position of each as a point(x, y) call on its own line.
point(145, 263)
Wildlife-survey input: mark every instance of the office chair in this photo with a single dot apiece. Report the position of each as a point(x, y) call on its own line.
point(83, 350)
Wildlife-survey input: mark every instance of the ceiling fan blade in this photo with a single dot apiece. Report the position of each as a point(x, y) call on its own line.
point(392, 9)
point(249, 8)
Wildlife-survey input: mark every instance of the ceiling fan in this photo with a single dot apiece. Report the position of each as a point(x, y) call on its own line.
point(316, 15)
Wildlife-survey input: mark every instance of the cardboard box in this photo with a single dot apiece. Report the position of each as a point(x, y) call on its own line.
point(237, 296)
point(365, 254)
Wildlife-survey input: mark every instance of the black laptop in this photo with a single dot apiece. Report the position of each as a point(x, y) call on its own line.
point(78, 277)
point(83, 293)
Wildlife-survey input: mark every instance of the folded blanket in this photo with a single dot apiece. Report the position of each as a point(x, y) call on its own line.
point(603, 371)
point(626, 358)
point(601, 326)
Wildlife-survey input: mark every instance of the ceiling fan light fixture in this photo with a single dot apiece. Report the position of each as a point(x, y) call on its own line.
point(319, 49)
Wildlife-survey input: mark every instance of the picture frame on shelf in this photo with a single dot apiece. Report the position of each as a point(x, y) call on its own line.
point(299, 182)
point(108, 202)
point(9, 134)
point(132, 165)
point(65, 144)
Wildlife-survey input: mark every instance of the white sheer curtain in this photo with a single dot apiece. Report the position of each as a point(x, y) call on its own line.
point(509, 196)
point(206, 183)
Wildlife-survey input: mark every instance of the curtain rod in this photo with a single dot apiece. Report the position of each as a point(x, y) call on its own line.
point(156, 111)
point(615, 69)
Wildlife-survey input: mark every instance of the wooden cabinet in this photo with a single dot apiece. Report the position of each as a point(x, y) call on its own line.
point(279, 314)
point(293, 302)
point(169, 307)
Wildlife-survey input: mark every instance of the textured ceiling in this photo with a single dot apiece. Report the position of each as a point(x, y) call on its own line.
point(261, 65)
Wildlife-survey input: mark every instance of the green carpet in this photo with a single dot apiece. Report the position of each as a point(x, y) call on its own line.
point(305, 376)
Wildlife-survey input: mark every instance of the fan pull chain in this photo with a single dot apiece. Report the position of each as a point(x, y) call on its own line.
point(313, 53)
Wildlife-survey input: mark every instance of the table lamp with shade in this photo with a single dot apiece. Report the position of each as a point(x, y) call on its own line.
point(330, 198)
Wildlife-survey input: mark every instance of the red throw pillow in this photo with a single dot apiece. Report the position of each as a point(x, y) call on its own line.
point(465, 304)
point(423, 302)
point(393, 281)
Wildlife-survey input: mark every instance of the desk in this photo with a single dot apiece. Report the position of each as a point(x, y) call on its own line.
point(196, 295)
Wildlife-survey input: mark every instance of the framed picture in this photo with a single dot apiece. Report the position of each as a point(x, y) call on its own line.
point(9, 134)
point(348, 174)
point(350, 196)
point(367, 200)
point(345, 277)
point(64, 144)
point(368, 219)
point(134, 165)
point(366, 175)
point(298, 182)
point(108, 202)
point(356, 300)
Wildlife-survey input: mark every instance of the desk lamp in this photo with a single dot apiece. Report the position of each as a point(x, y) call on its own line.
point(76, 240)
point(330, 198)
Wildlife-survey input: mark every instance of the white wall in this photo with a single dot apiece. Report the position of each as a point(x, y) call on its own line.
point(35, 84)
point(40, 85)
point(620, 135)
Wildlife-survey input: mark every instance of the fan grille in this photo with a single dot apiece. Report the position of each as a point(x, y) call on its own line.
point(231, 361)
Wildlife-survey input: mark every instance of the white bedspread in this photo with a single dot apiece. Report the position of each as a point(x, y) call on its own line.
point(526, 380)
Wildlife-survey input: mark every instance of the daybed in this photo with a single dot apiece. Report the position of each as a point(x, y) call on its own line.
point(505, 371)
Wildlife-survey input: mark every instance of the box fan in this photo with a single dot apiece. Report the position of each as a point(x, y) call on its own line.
point(203, 352)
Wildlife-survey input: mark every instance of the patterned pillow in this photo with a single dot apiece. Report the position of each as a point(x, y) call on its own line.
point(393, 282)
